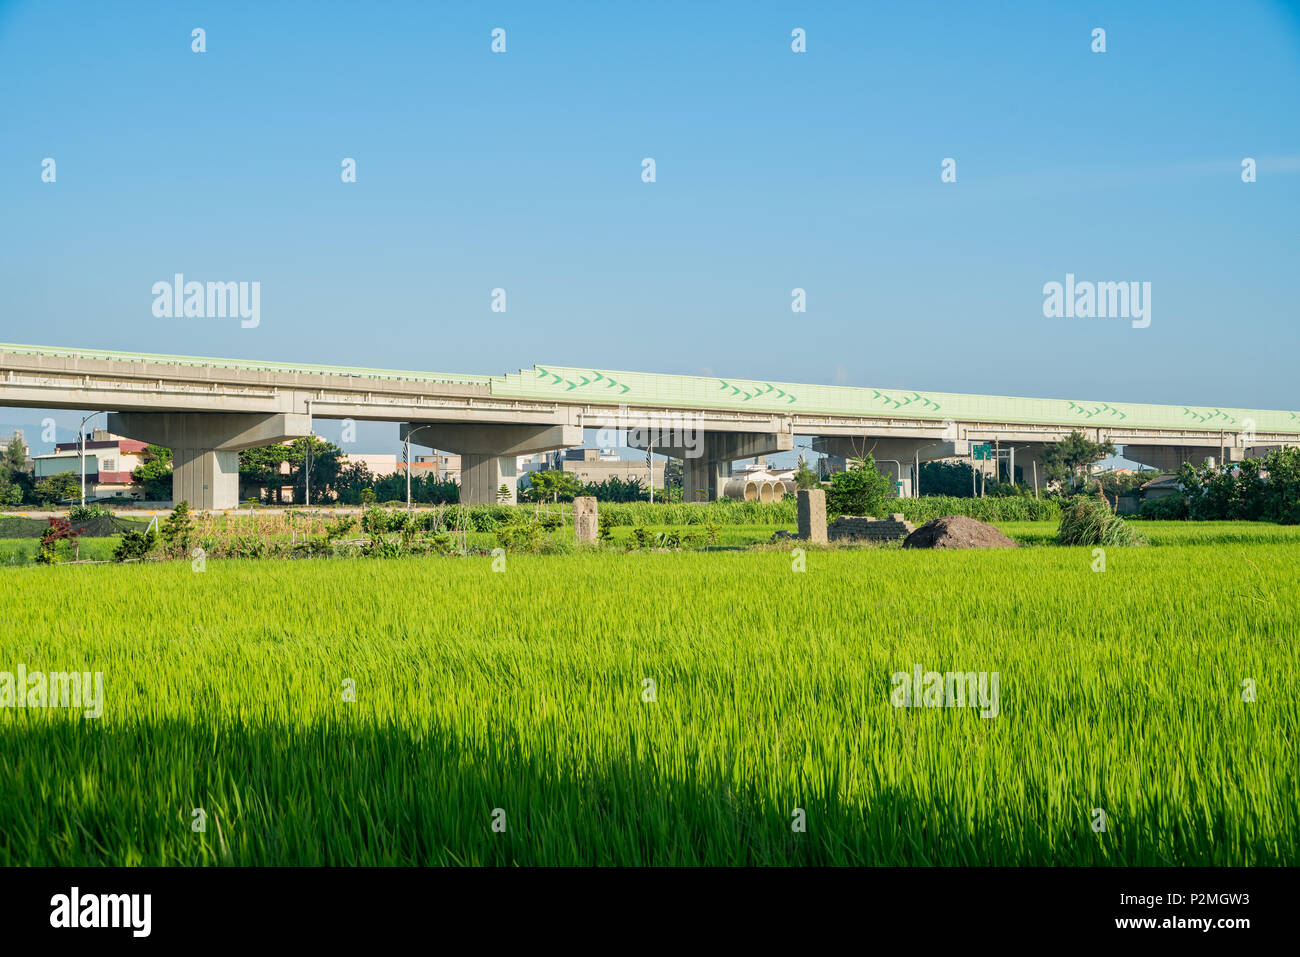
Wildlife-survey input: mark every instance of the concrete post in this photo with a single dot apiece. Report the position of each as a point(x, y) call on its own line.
point(812, 515)
point(586, 523)
point(206, 445)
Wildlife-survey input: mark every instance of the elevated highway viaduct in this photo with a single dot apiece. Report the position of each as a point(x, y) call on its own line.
point(208, 409)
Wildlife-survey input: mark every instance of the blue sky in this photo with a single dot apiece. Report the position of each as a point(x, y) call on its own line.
point(775, 170)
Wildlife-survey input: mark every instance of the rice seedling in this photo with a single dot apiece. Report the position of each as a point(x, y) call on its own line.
point(659, 708)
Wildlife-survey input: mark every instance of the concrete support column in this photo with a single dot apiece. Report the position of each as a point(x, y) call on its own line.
point(205, 479)
point(702, 479)
point(1029, 460)
point(205, 447)
point(1170, 458)
point(488, 452)
point(706, 464)
point(482, 476)
point(895, 458)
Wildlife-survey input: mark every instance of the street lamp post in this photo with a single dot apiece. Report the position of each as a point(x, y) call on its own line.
point(307, 472)
point(406, 455)
point(81, 445)
point(899, 466)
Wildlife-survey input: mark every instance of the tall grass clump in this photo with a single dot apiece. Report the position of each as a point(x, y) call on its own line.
point(1090, 520)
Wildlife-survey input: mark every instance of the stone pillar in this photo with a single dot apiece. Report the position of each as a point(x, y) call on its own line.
point(586, 522)
point(205, 447)
point(812, 515)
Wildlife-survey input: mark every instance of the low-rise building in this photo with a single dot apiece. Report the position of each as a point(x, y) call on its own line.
point(109, 461)
point(441, 466)
point(380, 464)
point(1161, 487)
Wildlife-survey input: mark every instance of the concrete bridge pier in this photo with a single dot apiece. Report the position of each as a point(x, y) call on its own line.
point(488, 452)
point(1028, 460)
point(706, 461)
point(1170, 458)
point(206, 445)
point(888, 451)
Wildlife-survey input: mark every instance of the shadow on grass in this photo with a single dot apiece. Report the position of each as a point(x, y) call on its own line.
point(344, 793)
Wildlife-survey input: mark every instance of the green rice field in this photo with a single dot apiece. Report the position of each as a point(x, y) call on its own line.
point(507, 717)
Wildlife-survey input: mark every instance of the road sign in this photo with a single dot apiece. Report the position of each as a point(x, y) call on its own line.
point(981, 450)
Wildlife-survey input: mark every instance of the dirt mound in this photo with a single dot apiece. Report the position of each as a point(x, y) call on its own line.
point(957, 531)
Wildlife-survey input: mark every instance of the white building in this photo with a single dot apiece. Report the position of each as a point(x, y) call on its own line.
point(109, 462)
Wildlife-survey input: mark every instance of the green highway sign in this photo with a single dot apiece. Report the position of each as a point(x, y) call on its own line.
point(982, 450)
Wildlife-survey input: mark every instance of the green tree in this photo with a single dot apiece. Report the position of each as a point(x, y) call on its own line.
point(58, 488)
point(1280, 495)
point(14, 459)
point(1071, 458)
point(552, 485)
point(134, 546)
point(861, 490)
point(804, 477)
point(261, 467)
point(178, 528)
point(154, 474)
point(325, 465)
point(615, 489)
point(674, 478)
point(353, 479)
point(1267, 489)
point(14, 481)
point(947, 478)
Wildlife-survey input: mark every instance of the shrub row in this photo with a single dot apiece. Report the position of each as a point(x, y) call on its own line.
point(1009, 509)
point(487, 518)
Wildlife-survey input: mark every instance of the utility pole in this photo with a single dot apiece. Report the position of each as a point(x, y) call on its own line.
point(81, 445)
